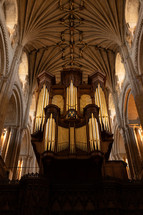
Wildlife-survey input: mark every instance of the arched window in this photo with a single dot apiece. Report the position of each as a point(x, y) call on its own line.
point(119, 71)
point(131, 15)
point(112, 111)
point(11, 17)
point(23, 70)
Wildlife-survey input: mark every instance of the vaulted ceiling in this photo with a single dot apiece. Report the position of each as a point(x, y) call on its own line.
point(82, 34)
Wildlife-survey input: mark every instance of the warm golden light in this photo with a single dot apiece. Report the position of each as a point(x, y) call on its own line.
point(140, 133)
point(3, 139)
point(19, 169)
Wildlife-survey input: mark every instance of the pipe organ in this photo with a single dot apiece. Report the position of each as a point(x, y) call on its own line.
point(94, 136)
point(43, 101)
point(101, 103)
point(74, 130)
point(71, 98)
point(50, 134)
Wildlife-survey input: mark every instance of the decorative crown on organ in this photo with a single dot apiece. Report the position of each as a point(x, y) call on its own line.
point(71, 117)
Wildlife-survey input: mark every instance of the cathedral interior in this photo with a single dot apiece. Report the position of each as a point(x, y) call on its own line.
point(71, 107)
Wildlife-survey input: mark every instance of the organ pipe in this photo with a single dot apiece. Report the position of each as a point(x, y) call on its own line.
point(94, 136)
point(50, 134)
point(43, 101)
point(71, 98)
point(101, 103)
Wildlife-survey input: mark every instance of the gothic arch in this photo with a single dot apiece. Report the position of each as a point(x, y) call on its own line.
point(15, 108)
point(17, 94)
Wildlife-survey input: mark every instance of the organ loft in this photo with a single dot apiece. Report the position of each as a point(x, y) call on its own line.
point(72, 132)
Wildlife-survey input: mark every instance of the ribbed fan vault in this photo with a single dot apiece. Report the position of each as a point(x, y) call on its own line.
point(83, 34)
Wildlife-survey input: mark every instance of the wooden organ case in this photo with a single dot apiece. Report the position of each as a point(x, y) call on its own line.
point(72, 139)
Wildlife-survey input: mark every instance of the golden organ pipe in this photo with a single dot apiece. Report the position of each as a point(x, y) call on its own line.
point(90, 134)
point(71, 101)
point(47, 135)
point(98, 136)
point(93, 131)
point(76, 98)
point(50, 131)
point(53, 135)
point(42, 106)
point(100, 105)
point(72, 94)
point(97, 99)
